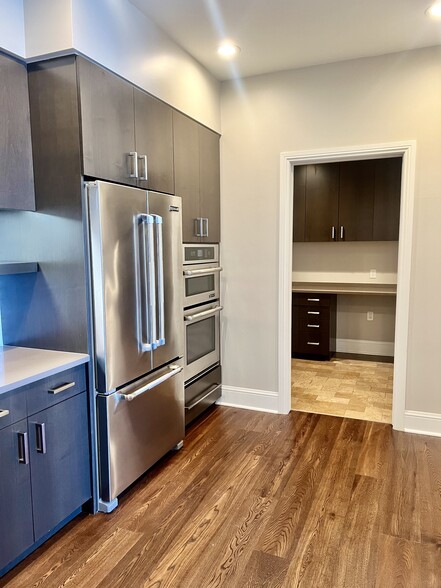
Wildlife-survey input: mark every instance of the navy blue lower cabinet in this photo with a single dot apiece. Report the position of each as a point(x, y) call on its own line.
point(16, 529)
point(60, 464)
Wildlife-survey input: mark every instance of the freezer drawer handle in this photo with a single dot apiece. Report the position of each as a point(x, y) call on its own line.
point(61, 388)
point(174, 371)
point(204, 314)
point(4, 413)
point(199, 400)
point(203, 272)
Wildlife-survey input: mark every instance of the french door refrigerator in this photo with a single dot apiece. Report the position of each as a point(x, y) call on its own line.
point(135, 240)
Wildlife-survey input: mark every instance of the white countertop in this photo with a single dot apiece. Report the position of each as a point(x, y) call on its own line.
point(23, 365)
point(340, 288)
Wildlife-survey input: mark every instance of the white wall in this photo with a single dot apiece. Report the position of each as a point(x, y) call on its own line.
point(12, 35)
point(117, 35)
point(366, 101)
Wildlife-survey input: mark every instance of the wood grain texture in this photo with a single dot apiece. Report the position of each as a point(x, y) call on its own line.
point(260, 500)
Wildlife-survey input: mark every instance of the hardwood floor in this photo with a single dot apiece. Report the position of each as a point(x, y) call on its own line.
point(261, 500)
point(343, 387)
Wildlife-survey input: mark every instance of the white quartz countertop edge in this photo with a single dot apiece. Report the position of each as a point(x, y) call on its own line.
point(20, 366)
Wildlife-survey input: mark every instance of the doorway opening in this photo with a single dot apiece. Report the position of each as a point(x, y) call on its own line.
point(404, 150)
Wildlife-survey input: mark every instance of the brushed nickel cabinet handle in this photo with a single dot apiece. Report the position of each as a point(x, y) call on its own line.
point(310, 343)
point(342, 232)
point(133, 164)
point(40, 441)
point(61, 388)
point(314, 326)
point(4, 413)
point(142, 164)
point(333, 233)
point(23, 448)
point(313, 299)
point(313, 312)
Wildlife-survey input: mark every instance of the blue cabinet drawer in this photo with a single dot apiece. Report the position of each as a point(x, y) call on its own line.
point(55, 389)
point(12, 407)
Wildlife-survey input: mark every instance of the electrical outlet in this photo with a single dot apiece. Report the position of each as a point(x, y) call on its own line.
point(373, 274)
point(370, 316)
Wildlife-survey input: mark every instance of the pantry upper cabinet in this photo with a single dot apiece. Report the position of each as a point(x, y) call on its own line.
point(16, 169)
point(196, 157)
point(347, 201)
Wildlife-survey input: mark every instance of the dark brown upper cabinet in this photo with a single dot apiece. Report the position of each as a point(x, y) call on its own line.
point(347, 201)
point(196, 157)
point(16, 169)
point(387, 199)
point(107, 124)
point(154, 143)
point(356, 200)
point(127, 134)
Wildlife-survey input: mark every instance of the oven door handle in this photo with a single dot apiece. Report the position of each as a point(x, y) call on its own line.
point(203, 314)
point(202, 272)
point(174, 370)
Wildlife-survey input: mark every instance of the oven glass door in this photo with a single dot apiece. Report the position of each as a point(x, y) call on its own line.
point(201, 340)
point(201, 287)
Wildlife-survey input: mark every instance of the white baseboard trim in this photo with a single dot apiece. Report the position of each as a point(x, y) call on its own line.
point(261, 400)
point(422, 423)
point(365, 347)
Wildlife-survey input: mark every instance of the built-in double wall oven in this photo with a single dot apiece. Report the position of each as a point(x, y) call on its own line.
point(202, 327)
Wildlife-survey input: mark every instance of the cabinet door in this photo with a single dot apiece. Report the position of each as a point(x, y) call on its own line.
point(387, 199)
point(186, 156)
point(108, 125)
point(209, 193)
point(16, 170)
point(356, 202)
point(16, 530)
point(60, 462)
point(321, 201)
point(154, 139)
point(299, 203)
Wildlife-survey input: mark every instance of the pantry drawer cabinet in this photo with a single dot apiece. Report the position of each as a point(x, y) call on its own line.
point(313, 325)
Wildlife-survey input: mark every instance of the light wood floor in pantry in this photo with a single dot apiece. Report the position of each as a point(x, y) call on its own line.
point(343, 387)
point(257, 500)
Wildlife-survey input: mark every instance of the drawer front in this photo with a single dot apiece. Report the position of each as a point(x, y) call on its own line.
point(313, 320)
point(55, 389)
point(12, 407)
point(202, 393)
point(311, 332)
point(312, 299)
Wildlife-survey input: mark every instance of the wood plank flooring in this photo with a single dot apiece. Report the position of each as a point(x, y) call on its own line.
point(261, 500)
point(343, 387)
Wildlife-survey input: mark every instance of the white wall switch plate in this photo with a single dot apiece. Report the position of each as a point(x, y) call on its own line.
point(370, 316)
point(373, 274)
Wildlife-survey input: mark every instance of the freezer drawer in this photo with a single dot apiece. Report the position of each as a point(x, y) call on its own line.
point(137, 426)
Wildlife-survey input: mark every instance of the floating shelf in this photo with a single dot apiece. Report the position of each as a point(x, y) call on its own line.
point(18, 267)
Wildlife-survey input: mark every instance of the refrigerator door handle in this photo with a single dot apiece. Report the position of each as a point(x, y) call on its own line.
point(160, 280)
point(174, 370)
point(144, 296)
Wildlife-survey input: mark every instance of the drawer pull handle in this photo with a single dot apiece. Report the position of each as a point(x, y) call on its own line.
point(4, 413)
point(313, 312)
point(61, 388)
point(310, 343)
point(23, 448)
point(314, 326)
point(313, 299)
point(199, 400)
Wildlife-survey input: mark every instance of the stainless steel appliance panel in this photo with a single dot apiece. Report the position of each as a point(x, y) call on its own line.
point(167, 213)
point(138, 425)
point(119, 251)
point(202, 338)
point(202, 392)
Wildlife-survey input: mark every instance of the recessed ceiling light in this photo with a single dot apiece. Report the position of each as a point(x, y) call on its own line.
point(228, 50)
point(434, 11)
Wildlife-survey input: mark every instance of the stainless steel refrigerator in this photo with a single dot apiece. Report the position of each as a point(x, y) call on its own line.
point(135, 240)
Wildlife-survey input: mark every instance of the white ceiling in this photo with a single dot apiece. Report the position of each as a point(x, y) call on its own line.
point(284, 34)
